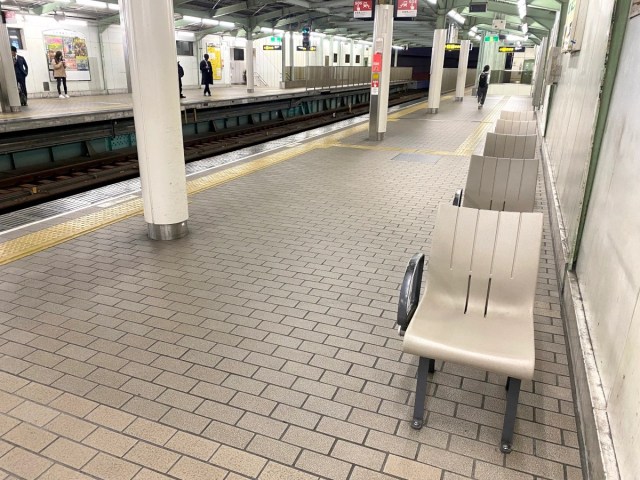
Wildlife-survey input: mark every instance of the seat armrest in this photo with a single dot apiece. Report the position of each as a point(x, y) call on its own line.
point(410, 292)
point(457, 199)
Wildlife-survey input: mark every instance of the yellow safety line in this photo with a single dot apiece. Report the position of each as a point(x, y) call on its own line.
point(394, 149)
point(469, 145)
point(31, 243)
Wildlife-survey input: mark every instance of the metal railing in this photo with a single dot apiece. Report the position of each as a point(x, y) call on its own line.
point(313, 78)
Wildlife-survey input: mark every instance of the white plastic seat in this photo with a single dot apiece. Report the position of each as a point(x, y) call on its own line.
point(522, 116)
point(515, 127)
point(510, 146)
point(478, 306)
point(501, 184)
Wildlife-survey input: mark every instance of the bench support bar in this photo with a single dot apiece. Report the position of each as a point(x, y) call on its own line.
point(513, 392)
point(426, 366)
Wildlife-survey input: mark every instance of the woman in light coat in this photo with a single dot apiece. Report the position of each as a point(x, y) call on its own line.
point(59, 68)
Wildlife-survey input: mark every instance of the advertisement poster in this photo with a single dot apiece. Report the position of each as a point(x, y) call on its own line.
point(407, 8)
point(569, 34)
point(215, 57)
point(73, 46)
point(363, 8)
point(635, 8)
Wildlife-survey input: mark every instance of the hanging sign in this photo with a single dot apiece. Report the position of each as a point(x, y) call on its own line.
point(452, 47)
point(300, 48)
point(407, 8)
point(363, 8)
point(510, 49)
point(376, 64)
point(10, 17)
point(272, 47)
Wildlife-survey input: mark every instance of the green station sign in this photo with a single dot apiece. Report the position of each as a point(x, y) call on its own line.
point(491, 38)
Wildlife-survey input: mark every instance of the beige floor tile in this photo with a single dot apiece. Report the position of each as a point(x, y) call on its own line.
point(192, 445)
point(24, 464)
point(29, 437)
point(70, 453)
point(190, 469)
point(107, 467)
point(70, 427)
point(110, 442)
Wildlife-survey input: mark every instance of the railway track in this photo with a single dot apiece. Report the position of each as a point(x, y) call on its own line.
point(20, 188)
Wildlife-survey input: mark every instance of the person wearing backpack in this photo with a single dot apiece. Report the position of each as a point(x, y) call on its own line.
point(483, 86)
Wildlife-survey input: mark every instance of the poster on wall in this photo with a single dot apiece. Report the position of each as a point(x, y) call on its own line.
point(573, 28)
point(215, 57)
point(635, 8)
point(73, 46)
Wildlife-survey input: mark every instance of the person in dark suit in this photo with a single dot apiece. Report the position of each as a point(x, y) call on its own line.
point(207, 74)
point(180, 75)
point(21, 68)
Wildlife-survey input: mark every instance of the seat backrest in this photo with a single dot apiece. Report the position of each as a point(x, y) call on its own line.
point(501, 184)
point(510, 146)
point(522, 116)
point(515, 127)
point(484, 262)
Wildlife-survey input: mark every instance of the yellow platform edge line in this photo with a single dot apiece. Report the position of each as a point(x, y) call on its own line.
point(35, 242)
point(467, 147)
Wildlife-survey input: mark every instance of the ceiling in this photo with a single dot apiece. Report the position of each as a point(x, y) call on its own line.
point(333, 17)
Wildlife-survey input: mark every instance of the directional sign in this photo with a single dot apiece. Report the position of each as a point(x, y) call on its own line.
point(452, 47)
point(305, 49)
point(511, 49)
point(272, 47)
point(407, 8)
point(376, 65)
point(363, 8)
point(491, 38)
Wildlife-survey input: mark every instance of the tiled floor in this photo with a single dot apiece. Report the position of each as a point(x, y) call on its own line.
point(262, 345)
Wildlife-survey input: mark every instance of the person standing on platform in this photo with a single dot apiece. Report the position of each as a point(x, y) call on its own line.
point(483, 86)
point(180, 75)
point(59, 68)
point(22, 70)
point(207, 74)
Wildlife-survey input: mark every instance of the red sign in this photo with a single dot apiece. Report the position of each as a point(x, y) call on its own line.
point(376, 65)
point(375, 87)
point(407, 8)
point(363, 8)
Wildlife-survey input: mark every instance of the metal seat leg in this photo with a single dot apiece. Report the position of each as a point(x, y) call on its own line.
point(513, 392)
point(432, 365)
point(421, 393)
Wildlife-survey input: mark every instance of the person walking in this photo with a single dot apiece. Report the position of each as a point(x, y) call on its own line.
point(59, 68)
point(207, 74)
point(483, 86)
point(22, 70)
point(180, 75)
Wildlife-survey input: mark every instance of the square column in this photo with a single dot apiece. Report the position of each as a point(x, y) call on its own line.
point(380, 70)
point(462, 69)
point(437, 69)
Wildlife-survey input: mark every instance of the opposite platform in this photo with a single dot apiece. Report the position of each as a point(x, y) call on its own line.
point(262, 345)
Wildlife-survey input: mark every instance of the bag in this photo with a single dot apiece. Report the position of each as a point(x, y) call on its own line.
point(482, 83)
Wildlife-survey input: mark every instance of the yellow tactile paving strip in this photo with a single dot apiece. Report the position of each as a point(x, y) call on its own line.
point(31, 243)
point(469, 145)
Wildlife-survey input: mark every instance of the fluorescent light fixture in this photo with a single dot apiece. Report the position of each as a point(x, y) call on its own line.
point(396, 47)
point(515, 38)
point(188, 18)
point(266, 30)
point(210, 21)
point(226, 24)
point(456, 16)
point(524, 27)
point(91, 3)
point(522, 8)
point(113, 6)
point(73, 22)
point(474, 29)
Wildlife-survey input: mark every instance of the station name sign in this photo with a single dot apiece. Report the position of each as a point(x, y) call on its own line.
point(511, 49)
point(452, 47)
point(305, 49)
point(272, 47)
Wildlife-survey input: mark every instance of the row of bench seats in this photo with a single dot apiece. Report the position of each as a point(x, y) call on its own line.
point(477, 309)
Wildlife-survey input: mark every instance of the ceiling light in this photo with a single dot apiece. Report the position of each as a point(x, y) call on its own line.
point(227, 24)
point(474, 29)
point(515, 38)
point(210, 21)
point(524, 27)
point(266, 30)
point(91, 3)
point(113, 6)
point(456, 16)
point(188, 18)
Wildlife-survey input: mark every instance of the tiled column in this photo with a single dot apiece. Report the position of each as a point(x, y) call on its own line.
point(156, 109)
point(462, 69)
point(248, 61)
point(437, 69)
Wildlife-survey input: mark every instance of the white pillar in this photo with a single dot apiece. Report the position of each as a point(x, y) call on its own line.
point(395, 57)
point(292, 51)
point(462, 69)
point(437, 69)
point(380, 71)
point(283, 57)
point(352, 55)
point(9, 97)
point(248, 60)
point(158, 125)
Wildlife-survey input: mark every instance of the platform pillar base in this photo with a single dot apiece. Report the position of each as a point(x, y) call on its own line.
point(167, 232)
point(459, 99)
point(432, 110)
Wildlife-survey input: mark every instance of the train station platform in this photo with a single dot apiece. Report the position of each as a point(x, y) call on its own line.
point(53, 111)
point(262, 345)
